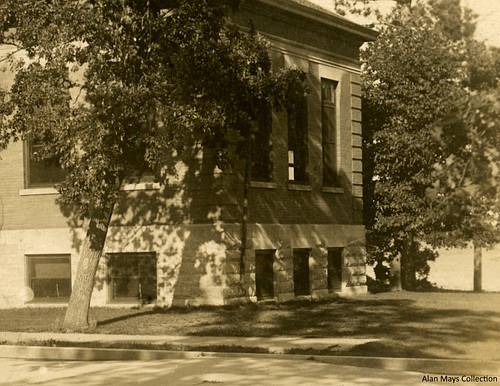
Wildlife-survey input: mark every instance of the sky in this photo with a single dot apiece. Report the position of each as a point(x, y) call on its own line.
point(488, 11)
point(488, 26)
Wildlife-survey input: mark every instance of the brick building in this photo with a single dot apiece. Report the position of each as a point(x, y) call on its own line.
point(181, 244)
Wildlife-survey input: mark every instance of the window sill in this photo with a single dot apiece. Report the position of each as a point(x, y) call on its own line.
point(131, 302)
point(299, 187)
point(38, 191)
point(264, 185)
point(331, 189)
point(141, 186)
point(53, 191)
point(48, 301)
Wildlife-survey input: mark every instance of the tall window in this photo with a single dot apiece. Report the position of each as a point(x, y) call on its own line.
point(41, 172)
point(132, 276)
point(262, 146)
point(301, 283)
point(298, 143)
point(264, 274)
point(50, 276)
point(328, 121)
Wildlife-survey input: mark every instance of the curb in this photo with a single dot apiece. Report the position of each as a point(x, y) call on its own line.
point(91, 354)
point(428, 366)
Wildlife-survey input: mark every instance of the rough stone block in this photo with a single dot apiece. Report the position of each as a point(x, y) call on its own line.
point(284, 276)
point(320, 294)
point(234, 291)
point(284, 287)
point(285, 297)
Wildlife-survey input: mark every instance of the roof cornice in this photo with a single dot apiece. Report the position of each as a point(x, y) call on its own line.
point(330, 20)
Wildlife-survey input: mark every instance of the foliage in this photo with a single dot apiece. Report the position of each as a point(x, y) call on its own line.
point(425, 146)
point(411, 79)
point(465, 193)
point(158, 76)
point(152, 79)
point(456, 22)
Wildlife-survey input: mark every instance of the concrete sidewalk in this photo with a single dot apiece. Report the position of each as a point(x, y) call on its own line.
point(28, 346)
point(276, 345)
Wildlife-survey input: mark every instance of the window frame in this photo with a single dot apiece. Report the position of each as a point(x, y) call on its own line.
point(330, 132)
point(112, 279)
point(28, 168)
point(261, 146)
point(31, 267)
point(302, 256)
point(298, 144)
point(264, 258)
point(334, 272)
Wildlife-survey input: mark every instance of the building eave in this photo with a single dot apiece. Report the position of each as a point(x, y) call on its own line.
point(327, 19)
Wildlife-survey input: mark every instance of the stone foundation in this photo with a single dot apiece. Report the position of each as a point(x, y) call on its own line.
point(196, 264)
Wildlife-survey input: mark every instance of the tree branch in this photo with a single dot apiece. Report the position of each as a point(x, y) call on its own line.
point(11, 54)
point(465, 171)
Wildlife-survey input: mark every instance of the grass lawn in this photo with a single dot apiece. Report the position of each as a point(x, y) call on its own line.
point(434, 324)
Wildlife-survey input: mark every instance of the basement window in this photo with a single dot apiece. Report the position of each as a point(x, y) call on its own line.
point(334, 269)
point(50, 277)
point(132, 277)
point(264, 274)
point(301, 282)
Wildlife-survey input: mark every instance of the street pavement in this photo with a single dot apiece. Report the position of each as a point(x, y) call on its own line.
point(22, 362)
point(251, 371)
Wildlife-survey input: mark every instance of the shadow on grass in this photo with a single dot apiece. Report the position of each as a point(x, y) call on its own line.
point(429, 325)
point(123, 317)
point(405, 328)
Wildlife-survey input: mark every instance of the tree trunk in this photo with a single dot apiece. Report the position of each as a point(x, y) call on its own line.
point(77, 314)
point(395, 275)
point(478, 267)
point(244, 217)
point(408, 277)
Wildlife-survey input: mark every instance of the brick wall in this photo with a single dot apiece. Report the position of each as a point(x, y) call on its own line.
point(21, 210)
point(193, 224)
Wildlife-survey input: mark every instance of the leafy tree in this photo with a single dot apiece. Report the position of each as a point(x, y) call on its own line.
point(416, 76)
point(465, 195)
point(421, 79)
point(412, 76)
point(454, 21)
point(465, 192)
point(156, 73)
